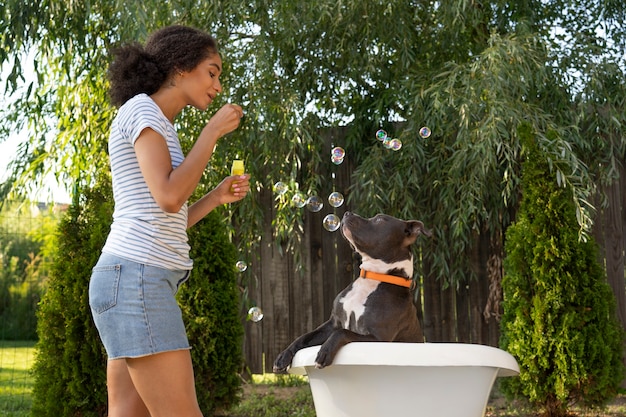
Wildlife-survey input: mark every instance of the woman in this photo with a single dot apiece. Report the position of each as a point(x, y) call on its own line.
point(146, 255)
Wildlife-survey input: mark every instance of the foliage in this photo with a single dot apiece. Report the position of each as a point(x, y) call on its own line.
point(70, 369)
point(300, 404)
point(19, 296)
point(210, 302)
point(25, 242)
point(469, 70)
point(17, 225)
point(559, 311)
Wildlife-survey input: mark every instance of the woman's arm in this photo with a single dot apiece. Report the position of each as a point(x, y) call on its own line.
point(170, 187)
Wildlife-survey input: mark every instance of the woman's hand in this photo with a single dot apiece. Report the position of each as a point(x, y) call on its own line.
point(232, 189)
point(225, 120)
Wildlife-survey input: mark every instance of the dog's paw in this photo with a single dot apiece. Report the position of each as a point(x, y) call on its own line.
point(323, 359)
point(282, 362)
point(278, 370)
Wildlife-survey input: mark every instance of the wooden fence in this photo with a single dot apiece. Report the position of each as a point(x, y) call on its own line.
point(296, 302)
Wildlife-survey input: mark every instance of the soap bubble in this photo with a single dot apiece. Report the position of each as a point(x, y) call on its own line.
point(331, 222)
point(280, 188)
point(335, 160)
point(387, 142)
point(298, 200)
point(314, 204)
point(255, 314)
point(241, 266)
point(381, 135)
point(395, 144)
point(338, 152)
point(335, 199)
point(425, 132)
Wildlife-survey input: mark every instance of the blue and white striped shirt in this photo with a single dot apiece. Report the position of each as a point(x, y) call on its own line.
point(141, 231)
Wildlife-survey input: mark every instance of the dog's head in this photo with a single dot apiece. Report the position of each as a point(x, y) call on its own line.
point(383, 241)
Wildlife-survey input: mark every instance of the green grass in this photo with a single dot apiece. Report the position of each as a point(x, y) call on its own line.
point(272, 401)
point(16, 379)
point(280, 380)
point(265, 395)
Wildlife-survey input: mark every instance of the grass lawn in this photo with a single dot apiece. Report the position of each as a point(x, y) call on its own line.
point(16, 380)
point(290, 396)
point(264, 396)
point(268, 400)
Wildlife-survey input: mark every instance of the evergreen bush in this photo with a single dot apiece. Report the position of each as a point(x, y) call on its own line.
point(70, 367)
point(210, 305)
point(559, 317)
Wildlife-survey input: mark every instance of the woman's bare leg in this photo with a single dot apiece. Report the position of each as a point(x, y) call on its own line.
point(166, 384)
point(123, 397)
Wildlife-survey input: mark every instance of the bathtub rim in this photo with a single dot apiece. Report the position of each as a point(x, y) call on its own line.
point(412, 354)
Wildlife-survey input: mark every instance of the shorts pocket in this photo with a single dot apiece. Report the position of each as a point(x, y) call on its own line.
point(103, 287)
point(184, 279)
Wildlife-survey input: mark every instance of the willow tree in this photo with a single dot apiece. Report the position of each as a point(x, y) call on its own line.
point(470, 71)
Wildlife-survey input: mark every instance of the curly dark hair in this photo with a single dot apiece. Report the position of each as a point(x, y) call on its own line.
point(144, 69)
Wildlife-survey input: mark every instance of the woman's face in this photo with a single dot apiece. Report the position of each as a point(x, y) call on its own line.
point(202, 84)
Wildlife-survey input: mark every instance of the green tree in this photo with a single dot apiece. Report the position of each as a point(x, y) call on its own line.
point(471, 71)
point(559, 311)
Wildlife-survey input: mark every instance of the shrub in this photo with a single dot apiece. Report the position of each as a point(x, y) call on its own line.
point(70, 368)
point(209, 302)
point(559, 311)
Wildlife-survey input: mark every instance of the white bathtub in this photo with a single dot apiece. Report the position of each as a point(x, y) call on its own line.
point(404, 379)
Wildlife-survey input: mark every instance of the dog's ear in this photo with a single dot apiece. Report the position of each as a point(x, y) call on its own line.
point(414, 228)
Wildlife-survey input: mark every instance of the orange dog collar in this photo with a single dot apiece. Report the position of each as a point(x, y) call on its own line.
point(389, 279)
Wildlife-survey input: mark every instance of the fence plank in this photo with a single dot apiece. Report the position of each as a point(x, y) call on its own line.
point(463, 313)
point(432, 309)
point(448, 314)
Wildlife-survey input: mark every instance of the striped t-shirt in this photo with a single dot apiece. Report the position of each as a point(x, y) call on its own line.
point(141, 231)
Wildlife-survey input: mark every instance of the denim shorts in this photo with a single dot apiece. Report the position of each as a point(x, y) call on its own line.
point(135, 309)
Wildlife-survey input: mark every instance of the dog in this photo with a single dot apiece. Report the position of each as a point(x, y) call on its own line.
point(376, 307)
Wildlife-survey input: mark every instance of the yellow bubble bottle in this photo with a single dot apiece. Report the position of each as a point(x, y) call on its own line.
point(237, 168)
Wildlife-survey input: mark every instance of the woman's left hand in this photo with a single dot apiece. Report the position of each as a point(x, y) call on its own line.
point(233, 188)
